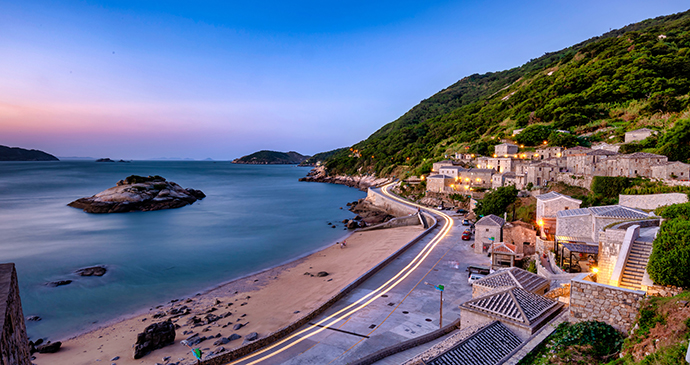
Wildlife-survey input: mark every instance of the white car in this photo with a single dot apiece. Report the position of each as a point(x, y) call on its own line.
point(474, 277)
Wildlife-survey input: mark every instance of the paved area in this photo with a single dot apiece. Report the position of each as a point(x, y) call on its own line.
point(406, 311)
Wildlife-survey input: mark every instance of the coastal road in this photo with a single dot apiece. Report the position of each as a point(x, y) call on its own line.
point(392, 306)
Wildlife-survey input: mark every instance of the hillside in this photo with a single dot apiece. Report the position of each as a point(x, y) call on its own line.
point(321, 156)
point(629, 78)
point(271, 158)
point(20, 154)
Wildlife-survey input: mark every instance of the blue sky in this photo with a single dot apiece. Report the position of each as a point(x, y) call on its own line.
point(146, 79)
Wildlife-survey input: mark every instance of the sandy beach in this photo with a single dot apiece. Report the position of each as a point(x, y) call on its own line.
point(262, 303)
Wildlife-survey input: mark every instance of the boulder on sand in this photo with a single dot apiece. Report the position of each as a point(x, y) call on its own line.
point(155, 336)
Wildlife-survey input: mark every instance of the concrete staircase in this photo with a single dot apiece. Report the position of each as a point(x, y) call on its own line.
point(636, 265)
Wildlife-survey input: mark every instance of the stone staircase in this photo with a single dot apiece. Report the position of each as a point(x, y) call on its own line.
point(636, 265)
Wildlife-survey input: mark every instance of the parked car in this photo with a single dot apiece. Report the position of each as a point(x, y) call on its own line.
point(474, 269)
point(465, 222)
point(466, 236)
point(474, 277)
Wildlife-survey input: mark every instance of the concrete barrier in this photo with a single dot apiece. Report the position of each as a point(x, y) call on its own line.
point(285, 331)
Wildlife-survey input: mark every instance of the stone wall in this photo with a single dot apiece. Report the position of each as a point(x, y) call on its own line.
point(375, 197)
point(575, 226)
point(518, 233)
point(652, 201)
point(574, 180)
point(482, 235)
point(590, 301)
point(610, 242)
point(14, 345)
point(544, 245)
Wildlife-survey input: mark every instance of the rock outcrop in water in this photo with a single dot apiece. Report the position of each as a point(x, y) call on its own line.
point(138, 193)
point(362, 182)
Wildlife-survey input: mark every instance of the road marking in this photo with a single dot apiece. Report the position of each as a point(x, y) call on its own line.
point(382, 289)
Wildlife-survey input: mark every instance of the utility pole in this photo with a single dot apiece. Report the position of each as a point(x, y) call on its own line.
point(440, 288)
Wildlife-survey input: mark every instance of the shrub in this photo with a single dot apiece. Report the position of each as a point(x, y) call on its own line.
point(496, 202)
point(668, 263)
point(534, 135)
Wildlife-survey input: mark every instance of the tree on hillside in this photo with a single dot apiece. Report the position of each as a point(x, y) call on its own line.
point(497, 201)
point(534, 135)
point(561, 139)
point(676, 142)
point(668, 263)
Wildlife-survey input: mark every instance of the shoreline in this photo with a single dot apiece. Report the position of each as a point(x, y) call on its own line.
point(286, 280)
point(206, 291)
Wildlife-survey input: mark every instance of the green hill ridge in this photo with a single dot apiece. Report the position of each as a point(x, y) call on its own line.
point(629, 78)
point(271, 158)
point(21, 154)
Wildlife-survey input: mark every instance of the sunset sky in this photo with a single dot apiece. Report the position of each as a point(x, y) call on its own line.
point(149, 79)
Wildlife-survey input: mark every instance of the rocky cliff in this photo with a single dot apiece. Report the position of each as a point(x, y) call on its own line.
point(361, 182)
point(137, 193)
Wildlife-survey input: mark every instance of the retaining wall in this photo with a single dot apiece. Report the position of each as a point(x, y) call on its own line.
point(590, 301)
point(247, 349)
point(651, 201)
point(14, 345)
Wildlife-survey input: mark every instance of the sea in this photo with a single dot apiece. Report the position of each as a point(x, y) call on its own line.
point(253, 217)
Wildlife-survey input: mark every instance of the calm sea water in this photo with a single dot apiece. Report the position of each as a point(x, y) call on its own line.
point(253, 217)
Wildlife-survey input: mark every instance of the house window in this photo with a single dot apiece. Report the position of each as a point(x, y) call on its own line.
point(487, 230)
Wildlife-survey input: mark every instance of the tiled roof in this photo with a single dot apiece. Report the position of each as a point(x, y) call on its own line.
point(439, 177)
point(641, 155)
point(618, 211)
point(601, 152)
point(554, 195)
point(486, 347)
point(607, 211)
point(490, 220)
point(573, 212)
point(513, 277)
point(503, 248)
point(542, 164)
point(514, 304)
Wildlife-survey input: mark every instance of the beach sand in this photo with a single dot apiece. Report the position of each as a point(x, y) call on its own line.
point(265, 302)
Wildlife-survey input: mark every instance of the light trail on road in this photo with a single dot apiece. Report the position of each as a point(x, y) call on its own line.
point(361, 303)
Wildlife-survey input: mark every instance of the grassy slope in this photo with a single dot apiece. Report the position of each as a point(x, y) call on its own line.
point(623, 79)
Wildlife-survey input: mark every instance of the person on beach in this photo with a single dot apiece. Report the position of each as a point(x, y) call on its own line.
point(342, 244)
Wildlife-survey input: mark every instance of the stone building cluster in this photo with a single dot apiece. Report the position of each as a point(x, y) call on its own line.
point(509, 166)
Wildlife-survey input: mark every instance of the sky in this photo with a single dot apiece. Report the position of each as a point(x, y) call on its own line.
point(222, 79)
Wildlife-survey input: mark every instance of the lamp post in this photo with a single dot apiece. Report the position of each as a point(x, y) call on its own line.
point(440, 288)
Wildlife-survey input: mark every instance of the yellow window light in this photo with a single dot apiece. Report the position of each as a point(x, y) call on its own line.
point(495, 155)
point(478, 166)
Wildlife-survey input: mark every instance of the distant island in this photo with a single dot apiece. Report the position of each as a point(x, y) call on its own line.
point(21, 154)
point(139, 193)
point(272, 158)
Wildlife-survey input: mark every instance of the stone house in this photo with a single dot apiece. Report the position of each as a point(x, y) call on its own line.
point(588, 162)
point(518, 181)
point(671, 170)
point(506, 278)
point(606, 146)
point(549, 152)
point(500, 164)
point(523, 312)
point(452, 171)
point(505, 149)
point(639, 134)
point(548, 205)
point(577, 150)
point(584, 224)
point(474, 178)
point(540, 173)
point(630, 165)
point(436, 167)
point(521, 235)
point(488, 227)
point(499, 180)
point(439, 183)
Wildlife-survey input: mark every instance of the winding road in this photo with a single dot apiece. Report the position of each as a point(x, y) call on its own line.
point(388, 308)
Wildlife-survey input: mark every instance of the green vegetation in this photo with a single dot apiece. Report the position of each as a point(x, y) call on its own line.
point(321, 156)
point(588, 343)
point(668, 263)
point(20, 154)
point(496, 201)
point(272, 158)
point(629, 78)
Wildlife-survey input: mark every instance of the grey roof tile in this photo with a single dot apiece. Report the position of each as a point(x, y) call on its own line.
point(514, 303)
point(513, 276)
point(490, 220)
point(486, 347)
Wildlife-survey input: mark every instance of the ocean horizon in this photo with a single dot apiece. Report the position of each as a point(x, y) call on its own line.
point(254, 217)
